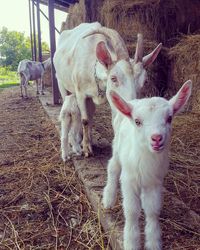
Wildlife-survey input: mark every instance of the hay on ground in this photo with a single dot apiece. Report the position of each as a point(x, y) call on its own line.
point(42, 201)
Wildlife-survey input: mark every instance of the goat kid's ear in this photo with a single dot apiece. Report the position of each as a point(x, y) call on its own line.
point(121, 104)
point(181, 98)
point(150, 58)
point(103, 54)
point(139, 49)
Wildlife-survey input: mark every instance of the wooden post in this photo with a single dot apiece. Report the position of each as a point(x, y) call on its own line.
point(56, 94)
point(39, 32)
point(34, 35)
point(31, 34)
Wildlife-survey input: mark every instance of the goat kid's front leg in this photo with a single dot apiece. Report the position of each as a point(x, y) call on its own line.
point(110, 190)
point(87, 147)
point(65, 126)
point(151, 203)
point(132, 209)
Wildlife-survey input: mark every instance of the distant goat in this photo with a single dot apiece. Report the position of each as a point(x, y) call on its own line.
point(31, 70)
point(140, 160)
point(87, 58)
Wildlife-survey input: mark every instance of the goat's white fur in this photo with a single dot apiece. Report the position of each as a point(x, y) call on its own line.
point(71, 127)
point(129, 90)
point(140, 161)
point(32, 70)
point(86, 51)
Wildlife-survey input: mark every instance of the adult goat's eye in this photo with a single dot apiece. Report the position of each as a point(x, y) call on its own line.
point(113, 78)
point(169, 119)
point(138, 122)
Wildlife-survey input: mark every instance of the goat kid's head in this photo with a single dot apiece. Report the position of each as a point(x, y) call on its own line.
point(123, 74)
point(140, 62)
point(117, 70)
point(152, 117)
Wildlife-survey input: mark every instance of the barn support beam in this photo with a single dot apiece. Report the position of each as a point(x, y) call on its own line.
point(31, 34)
point(39, 32)
point(56, 95)
point(34, 33)
point(42, 12)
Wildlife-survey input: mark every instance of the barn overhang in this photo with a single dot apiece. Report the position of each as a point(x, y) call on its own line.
point(34, 9)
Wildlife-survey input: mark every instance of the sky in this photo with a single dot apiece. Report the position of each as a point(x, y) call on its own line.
point(14, 14)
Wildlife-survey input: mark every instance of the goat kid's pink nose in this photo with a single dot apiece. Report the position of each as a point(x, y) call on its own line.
point(156, 137)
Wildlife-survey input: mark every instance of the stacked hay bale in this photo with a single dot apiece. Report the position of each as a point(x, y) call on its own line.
point(47, 80)
point(76, 15)
point(185, 64)
point(83, 11)
point(157, 20)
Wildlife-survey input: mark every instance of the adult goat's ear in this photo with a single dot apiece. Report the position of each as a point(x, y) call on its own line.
point(103, 54)
point(181, 98)
point(124, 107)
point(150, 58)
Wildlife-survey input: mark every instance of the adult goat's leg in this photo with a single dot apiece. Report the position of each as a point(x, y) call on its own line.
point(21, 84)
point(25, 86)
point(37, 86)
point(87, 147)
point(42, 85)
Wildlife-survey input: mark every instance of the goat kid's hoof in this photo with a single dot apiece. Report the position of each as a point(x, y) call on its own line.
point(65, 158)
point(87, 151)
point(107, 204)
point(88, 154)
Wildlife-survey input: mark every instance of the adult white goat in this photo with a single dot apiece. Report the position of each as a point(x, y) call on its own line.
point(140, 160)
point(31, 70)
point(87, 58)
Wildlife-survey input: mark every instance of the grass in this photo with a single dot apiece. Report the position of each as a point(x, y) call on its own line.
point(8, 78)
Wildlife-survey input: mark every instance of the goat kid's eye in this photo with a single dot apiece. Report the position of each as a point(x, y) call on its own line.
point(169, 119)
point(113, 78)
point(138, 122)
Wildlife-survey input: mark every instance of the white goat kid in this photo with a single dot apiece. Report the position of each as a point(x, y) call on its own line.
point(140, 160)
point(86, 59)
point(31, 70)
point(71, 127)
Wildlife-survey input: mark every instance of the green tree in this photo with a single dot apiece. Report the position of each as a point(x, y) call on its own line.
point(14, 47)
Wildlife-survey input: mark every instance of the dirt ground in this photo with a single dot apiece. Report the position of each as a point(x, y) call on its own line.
point(42, 202)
